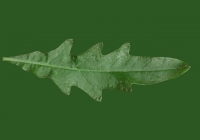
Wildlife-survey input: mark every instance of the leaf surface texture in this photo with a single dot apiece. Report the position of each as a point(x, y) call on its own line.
point(92, 72)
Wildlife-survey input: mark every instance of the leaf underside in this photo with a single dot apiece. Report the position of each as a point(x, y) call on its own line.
point(92, 72)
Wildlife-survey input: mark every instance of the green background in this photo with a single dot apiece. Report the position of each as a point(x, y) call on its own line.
point(35, 109)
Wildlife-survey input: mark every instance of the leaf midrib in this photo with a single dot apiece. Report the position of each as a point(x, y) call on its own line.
point(73, 69)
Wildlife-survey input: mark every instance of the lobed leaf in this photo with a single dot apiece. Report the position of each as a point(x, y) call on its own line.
point(92, 72)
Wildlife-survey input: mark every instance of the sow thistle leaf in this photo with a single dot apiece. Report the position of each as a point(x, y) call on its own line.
point(92, 72)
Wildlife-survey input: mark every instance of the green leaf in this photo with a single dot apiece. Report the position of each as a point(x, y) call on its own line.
point(92, 72)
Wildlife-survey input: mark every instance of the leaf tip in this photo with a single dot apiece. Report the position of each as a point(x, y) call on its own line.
point(187, 68)
point(128, 45)
point(125, 47)
point(96, 49)
point(100, 44)
point(70, 41)
point(99, 99)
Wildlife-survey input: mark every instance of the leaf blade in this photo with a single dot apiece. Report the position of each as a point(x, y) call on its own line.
point(92, 72)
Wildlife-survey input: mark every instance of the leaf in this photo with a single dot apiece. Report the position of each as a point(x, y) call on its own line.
point(92, 72)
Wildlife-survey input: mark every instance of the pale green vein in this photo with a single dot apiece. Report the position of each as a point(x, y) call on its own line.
point(74, 69)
